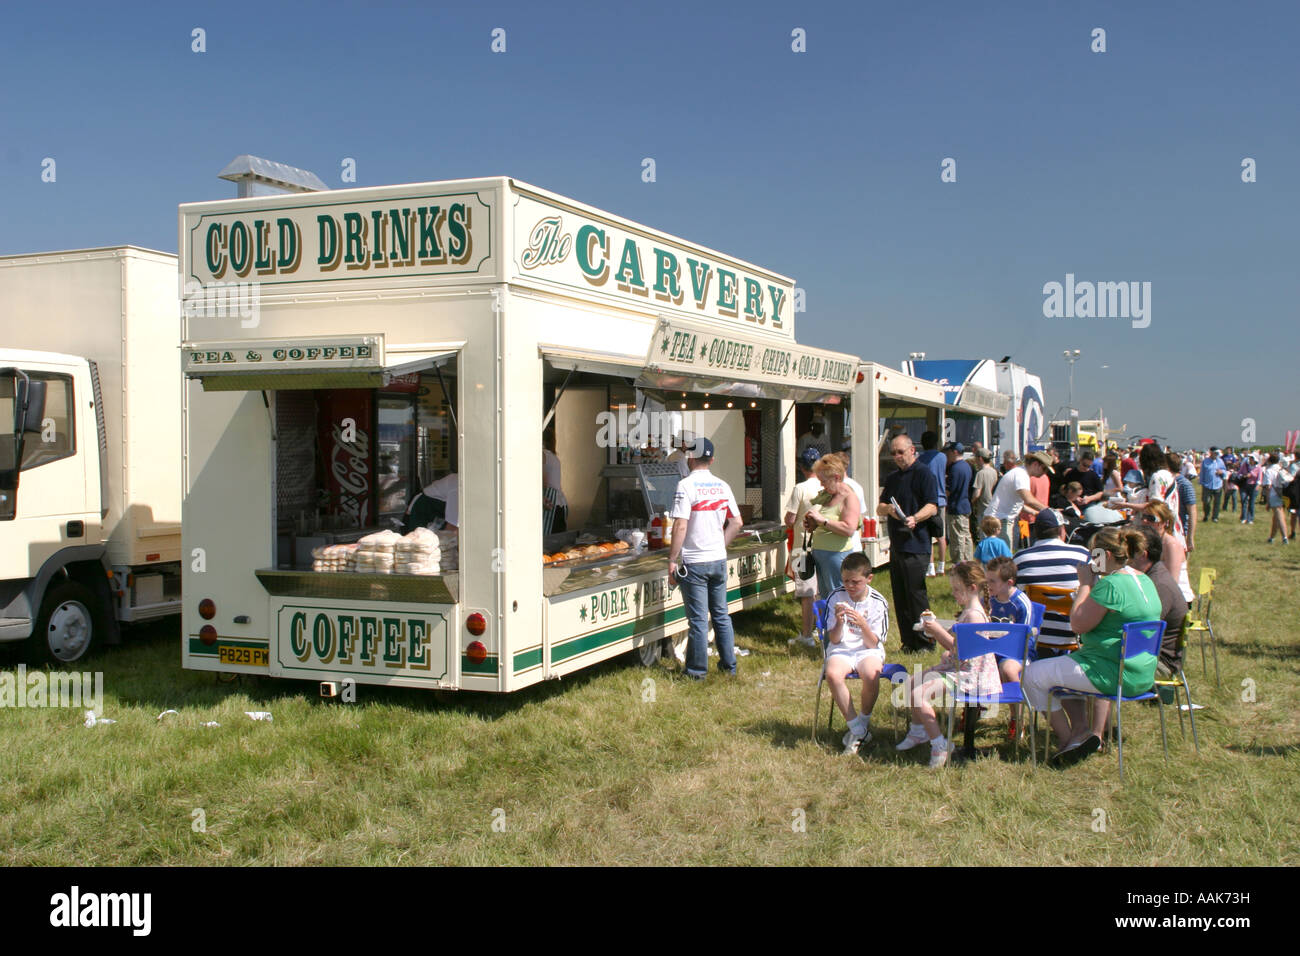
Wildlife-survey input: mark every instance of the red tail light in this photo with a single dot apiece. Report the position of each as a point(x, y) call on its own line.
point(476, 653)
point(476, 624)
point(207, 609)
point(208, 634)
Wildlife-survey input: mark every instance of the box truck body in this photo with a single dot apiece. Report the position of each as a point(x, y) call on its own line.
point(96, 514)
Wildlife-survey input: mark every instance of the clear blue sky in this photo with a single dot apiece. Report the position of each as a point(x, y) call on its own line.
point(824, 165)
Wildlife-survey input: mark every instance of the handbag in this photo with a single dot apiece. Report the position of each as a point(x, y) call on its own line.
point(801, 562)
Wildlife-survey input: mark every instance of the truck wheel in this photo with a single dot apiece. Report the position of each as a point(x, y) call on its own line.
point(647, 655)
point(69, 623)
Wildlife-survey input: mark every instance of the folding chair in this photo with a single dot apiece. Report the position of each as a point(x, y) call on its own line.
point(1179, 679)
point(1031, 655)
point(894, 673)
point(1200, 622)
point(1140, 638)
point(974, 640)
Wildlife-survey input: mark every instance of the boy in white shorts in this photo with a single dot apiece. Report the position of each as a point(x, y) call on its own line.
point(857, 623)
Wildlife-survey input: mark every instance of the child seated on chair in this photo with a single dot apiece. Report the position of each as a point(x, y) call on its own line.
point(976, 676)
point(857, 623)
point(1007, 605)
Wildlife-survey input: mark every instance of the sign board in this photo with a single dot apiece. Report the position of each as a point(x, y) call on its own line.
point(429, 233)
point(556, 244)
point(339, 352)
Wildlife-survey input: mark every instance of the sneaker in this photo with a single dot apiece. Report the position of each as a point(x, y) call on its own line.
point(910, 741)
point(1270, 541)
point(740, 652)
point(806, 640)
point(938, 758)
point(852, 742)
point(929, 572)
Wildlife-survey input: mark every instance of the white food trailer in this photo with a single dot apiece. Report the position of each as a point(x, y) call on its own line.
point(427, 336)
point(90, 530)
point(999, 404)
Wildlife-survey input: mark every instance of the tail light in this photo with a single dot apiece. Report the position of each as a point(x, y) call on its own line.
point(476, 652)
point(208, 634)
point(207, 609)
point(476, 624)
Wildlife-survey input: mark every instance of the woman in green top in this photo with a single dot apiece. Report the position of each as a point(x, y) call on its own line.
point(833, 518)
point(1111, 594)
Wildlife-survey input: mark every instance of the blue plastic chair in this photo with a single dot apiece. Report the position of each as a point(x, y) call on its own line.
point(1140, 638)
point(1031, 654)
point(975, 640)
point(894, 673)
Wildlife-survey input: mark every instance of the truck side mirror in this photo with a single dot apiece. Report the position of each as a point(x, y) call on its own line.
point(31, 396)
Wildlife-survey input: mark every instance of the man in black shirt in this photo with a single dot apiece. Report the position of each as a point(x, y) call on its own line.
point(916, 490)
point(1088, 479)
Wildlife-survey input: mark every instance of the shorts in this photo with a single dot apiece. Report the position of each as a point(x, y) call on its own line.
point(942, 518)
point(859, 656)
point(1275, 500)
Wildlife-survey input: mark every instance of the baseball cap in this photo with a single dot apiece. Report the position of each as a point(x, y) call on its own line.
point(1041, 457)
point(700, 448)
point(985, 453)
point(809, 456)
point(956, 446)
point(1049, 519)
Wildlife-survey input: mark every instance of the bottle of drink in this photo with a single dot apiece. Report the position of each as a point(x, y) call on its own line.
point(656, 536)
point(668, 529)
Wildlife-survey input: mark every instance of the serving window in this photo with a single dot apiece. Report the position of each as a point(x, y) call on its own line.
point(351, 462)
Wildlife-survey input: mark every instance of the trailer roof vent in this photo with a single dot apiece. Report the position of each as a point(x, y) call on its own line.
point(263, 177)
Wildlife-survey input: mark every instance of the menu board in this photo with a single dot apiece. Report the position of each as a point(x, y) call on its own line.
point(659, 484)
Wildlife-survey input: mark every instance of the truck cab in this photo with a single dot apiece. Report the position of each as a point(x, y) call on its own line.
point(54, 577)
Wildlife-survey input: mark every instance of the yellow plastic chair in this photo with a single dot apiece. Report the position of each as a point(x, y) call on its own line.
point(1199, 621)
point(1179, 680)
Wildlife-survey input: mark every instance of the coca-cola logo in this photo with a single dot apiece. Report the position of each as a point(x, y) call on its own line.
point(349, 464)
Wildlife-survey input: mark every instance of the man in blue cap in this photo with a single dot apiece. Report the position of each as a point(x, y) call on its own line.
point(706, 518)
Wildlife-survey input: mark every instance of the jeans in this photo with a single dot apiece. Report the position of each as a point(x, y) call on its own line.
point(1229, 498)
point(828, 569)
point(704, 593)
point(1247, 502)
point(1210, 497)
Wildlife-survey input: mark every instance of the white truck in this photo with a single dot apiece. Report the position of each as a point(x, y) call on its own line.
point(90, 530)
point(1016, 422)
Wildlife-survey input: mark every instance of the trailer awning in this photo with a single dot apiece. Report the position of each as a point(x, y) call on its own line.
point(982, 401)
point(897, 388)
point(336, 362)
point(697, 358)
point(589, 360)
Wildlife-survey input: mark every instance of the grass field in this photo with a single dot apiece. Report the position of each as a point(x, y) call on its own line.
point(585, 771)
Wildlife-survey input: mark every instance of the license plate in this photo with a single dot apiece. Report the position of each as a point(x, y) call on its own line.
point(250, 656)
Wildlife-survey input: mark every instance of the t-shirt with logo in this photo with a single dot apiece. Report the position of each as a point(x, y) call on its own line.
point(873, 607)
point(705, 502)
point(1018, 610)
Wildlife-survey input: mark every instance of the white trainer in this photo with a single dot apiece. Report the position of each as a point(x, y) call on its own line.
point(912, 740)
point(938, 758)
point(852, 741)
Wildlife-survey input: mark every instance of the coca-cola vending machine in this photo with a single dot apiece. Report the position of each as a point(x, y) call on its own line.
point(345, 421)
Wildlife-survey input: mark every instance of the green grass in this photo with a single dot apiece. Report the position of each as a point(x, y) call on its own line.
point(585, 772)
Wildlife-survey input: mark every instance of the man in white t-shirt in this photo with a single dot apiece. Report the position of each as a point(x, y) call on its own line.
point(706, 519)
point(1012, 494)
point(801, 497)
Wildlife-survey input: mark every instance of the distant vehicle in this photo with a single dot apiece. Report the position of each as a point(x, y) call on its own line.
point(1021, 426)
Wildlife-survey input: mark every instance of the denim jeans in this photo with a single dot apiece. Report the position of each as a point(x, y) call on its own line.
point(1210, 502)
point(704, 593)
point(1247, 502)
point(828, 569)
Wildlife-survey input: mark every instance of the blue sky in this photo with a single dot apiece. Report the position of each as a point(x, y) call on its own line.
point(822, 165)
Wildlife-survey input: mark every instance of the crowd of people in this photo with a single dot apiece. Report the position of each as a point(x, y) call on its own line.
point(1100, 541)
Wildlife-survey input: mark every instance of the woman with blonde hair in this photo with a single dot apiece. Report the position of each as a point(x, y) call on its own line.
point(1161, 518)
point(1111, 594)
point(833, 518)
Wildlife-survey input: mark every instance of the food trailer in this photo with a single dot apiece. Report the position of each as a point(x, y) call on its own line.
point(422, 340)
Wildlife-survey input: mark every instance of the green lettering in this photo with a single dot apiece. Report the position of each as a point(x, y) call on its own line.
point(595, 272)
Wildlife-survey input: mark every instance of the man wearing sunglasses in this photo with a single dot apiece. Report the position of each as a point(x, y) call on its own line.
point(909, 499)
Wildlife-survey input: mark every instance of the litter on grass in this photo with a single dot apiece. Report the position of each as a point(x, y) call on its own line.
point(259, 714)
point(165, 713)
point(211, 723)
point(93, 721)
